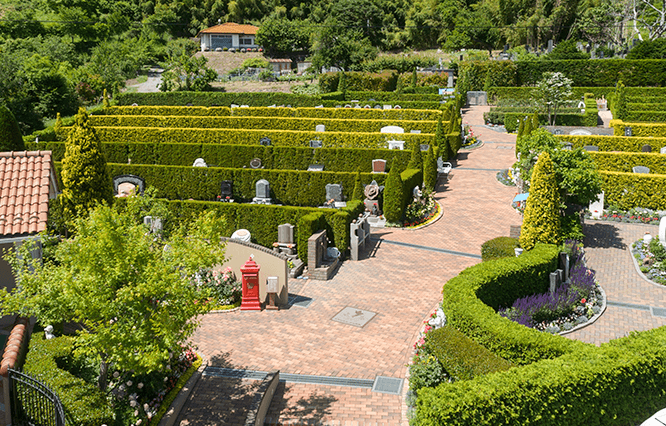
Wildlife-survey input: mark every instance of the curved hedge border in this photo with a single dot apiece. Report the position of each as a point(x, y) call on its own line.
point(252, 137)
point(471, 300)
point(330, 113)
point(83, 402)
point(615, 143)
point(257, 122)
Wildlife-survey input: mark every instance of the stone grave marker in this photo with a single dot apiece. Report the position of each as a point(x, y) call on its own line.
point(627, 131)
point(367, 106)
point(316, 168)
point(554, 281)
point(591, 148)
point(199, 162)
point(354, 317)
point(319, 106)
point(597, 207)
point(424, 147)
point(320, 128)
point(392, 129)
point(124, 185)
point(580, 132)
point(397, 107)
point(646, 148)
point(347, 106)
point(316, 143)
point(372, 193)
point(662, 231)
point(396, 145)
point(334, 191)
point(226, 190)
point(255, 163)
point(286, 233)
point(387, 106)
point(415, 131)
point(378, 166)
point(263, 192)
point(378, 106)
point(265, 141)
point(662, 150)
point(640, 169)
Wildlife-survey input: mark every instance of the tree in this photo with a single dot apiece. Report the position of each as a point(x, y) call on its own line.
point(566, 49)
point(10, 134)
point(602, 24)
point(430, 171)
point(554, 88)
point(648, 49)
point(620, 102)
point(541, 221)
point(393, 196)
point(357, 195)
point(415, 161)
point(131, 293)
point(84, 176)
point(279, 35)
point(183, 71)
point(340, 47)
point(651, 16)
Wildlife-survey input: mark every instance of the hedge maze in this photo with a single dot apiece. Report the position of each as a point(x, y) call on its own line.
point(160, 144)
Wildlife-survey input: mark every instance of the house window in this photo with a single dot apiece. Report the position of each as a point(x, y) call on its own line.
point(246, 41)
point(219, 40)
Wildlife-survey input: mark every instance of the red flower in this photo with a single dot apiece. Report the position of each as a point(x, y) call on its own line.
point(583, 300)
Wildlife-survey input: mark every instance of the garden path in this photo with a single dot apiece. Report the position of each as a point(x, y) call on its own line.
point(400, 279)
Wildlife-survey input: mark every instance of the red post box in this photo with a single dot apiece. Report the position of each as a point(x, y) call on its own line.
point(250, 273)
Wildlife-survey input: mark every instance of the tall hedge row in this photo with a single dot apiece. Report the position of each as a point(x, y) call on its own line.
point(385, 81)
point(336, 113)
point(616, 143)
point(289, 187)
point(624, 161)
point(285, 138)
point(256, 99)
point(269, 123)
point(497, 93)
point(655, 130)
point(377, 105)
point(239, 156)
point(471, 300)
point(628, 190)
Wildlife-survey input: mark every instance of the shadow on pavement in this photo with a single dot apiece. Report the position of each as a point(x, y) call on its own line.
point(313, 409)
point(603, 235)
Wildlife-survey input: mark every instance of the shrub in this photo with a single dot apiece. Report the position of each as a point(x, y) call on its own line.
point(84, 403)
point(619, 102)
point(10, 134)
point(629, 190)
point(415, 162)
point(393, 196)
point(499, 247)
point(572, 228)
point(308, 225)
point(461, 357)
point(541, 221)
point(430, 171)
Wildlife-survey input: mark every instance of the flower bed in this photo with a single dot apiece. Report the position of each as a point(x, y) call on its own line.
point(420, 212)
point(224, 289)
point(505, 178)
point(635, 215)
point(571, 304)
point(651, 258)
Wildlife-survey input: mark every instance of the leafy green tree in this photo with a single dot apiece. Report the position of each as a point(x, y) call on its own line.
point(10, 134)
point(430, 171)
point(415, 78)
point(84, 177)
point(566, 49)
point(649, 49)
point(393, 196)
point(602, 24)
point(47, 88)
point(184, 71)
point(541, 221)
point(340, 47)
point(399, 85)
point(131, 293)
point(280, 35)
point(553, 89)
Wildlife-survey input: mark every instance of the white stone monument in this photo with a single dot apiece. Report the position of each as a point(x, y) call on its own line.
point(597, 207)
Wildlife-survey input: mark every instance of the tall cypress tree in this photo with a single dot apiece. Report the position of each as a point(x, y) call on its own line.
point(358, 187)
point(416, 162)
point(430, 171)
point(84, 176)
point(541, 221)
point(393, 196)
point(10, 134)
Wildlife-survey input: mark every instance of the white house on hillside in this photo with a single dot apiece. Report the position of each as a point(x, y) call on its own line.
point(228, 35)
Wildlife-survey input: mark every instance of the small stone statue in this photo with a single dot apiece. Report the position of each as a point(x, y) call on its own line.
point(417, 194)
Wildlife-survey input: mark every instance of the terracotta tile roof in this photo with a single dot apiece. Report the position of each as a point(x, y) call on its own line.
point(279, 61)
point(25, 184)
point(231, 28)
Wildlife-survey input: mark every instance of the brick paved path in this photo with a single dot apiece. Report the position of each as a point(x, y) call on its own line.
point(400, 279)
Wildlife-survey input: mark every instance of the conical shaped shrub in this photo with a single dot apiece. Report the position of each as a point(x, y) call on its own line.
point(430, 171)
point(393, 196)
point(10, 134)
point(357, 195)
point(541, 221)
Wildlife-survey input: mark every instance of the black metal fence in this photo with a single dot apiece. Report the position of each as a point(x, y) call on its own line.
point(32, 403)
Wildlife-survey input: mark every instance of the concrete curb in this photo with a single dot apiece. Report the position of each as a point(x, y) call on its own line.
point(170, 417)
point(640, 273)
point(256, 415)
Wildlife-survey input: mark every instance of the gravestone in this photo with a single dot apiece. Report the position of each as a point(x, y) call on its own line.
point(234, 106)
point(334, 191)
point(580, 132)
point(286, 233)
point(319, 106)
point(316, 168)
point(597, 206)
point(265, 141)
point(378, 106)
point(347, 106)
point(396, 145)
point(646, 148)
point(378, 166)
point(387, 106)
point(226, 190)
point(372, 194)
point(424, 147)
point(662, 150)
point(245, 106)
point(392, 129)
point(397, 107)
point(338, 106)
point(591, 148)
point(662, 231)
point(199, 162)
point(550, 46)
point(564, 264)
point(627, 131)
point(357, 106)
point(367, 106)
point(567, 145)
point(255, 163)
point(124, 185)
point(359, 231)
point(640, 169)
point(242, 234)
point(316, 143)
point(554, 281)
point(263, 192)
point(320, 128)
point(415, 131)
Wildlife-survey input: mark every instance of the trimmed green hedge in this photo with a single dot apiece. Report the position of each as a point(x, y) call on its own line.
point(628, 190)
point(239, 156)
point(529, 93)
point(657, 130)
point(624, 161)
point(649, 116)
point(618, 384)
point(420, 105)
point(83, 402)
point(385, 81)
point(255, 99)
point(461, 357)
point(644, 105)
point(565, 117)
point(272, 123)
point(471, 300)
point(329, 113)
point(615, 143)
point(285, 138)
point(498, 248)
point(289, 187)
point(392, 96)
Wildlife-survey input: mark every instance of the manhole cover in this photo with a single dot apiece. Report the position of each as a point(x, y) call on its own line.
point(659, 312)
point(298, 300)
point(385, 384)
point(354, 316)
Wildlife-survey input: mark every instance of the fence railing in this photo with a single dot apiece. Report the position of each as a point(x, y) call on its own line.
point(32, 403)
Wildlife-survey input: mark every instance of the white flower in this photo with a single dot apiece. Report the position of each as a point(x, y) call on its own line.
point(166, 378)
point(133, 403)
point(140, 385)
point(116, 374)
point(146, 407)
point(138, 422)
point(136, 413)
point(121, 387)
point(129, 383)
